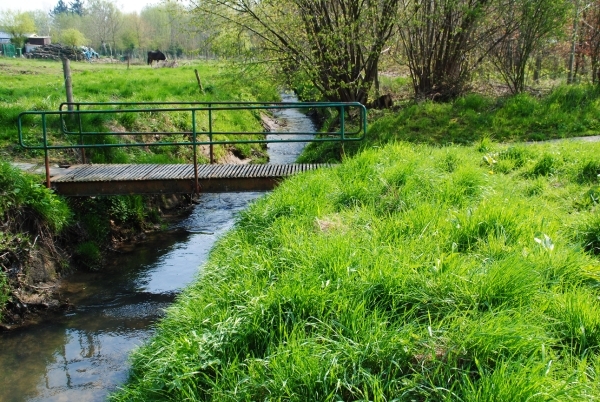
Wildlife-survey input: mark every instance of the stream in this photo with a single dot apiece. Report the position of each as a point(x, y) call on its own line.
point(82, 354)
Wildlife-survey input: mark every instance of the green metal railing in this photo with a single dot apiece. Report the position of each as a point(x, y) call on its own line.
point(72, 125)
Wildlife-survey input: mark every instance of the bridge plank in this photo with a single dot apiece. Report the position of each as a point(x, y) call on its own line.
point(103, 179)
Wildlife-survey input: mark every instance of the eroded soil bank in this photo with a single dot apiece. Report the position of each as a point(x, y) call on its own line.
point(36, 268)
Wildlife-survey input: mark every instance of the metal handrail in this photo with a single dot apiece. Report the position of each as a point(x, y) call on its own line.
point(195, 108)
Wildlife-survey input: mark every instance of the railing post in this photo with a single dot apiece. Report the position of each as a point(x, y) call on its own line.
point(210, 136)
point(195, 152)
point(343, 130)
point(82, 150)
point(46, 156)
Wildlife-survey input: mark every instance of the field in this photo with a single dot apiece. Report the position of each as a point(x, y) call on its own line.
point(39, 86)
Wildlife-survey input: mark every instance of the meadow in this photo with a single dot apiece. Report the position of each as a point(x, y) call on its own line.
point(38, 85)
point(34, 217)
point(408, 272)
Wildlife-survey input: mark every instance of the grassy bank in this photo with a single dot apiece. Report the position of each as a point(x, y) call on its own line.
point(31, 217)
point(564, 112)
point(407, 273)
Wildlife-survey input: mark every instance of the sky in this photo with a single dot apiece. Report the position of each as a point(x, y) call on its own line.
point(125, 6)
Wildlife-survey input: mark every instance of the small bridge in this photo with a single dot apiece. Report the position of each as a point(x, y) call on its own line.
point(75, 130)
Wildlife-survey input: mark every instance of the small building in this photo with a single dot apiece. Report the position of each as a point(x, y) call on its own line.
point(34, 41)
point(38, 40)
point(5, 37)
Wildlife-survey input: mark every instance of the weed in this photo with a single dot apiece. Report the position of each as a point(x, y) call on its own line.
point(88, 255)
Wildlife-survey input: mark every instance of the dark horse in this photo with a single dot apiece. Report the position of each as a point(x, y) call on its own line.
point(156, 56)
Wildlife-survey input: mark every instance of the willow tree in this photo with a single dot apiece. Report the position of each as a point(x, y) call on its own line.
point(18, 24)
point(445, 40)
point(335, 44)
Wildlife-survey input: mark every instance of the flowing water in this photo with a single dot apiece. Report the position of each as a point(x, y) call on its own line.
point(81, 355)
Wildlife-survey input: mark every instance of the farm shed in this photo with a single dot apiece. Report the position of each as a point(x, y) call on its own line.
point(38, 40)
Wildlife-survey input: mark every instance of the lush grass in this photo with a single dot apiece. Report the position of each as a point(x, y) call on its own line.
point(24, 192)
point(407, 273)
point(565, 112)
point(38, 85)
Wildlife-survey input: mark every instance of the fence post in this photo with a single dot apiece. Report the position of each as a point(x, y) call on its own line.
point(68, 82)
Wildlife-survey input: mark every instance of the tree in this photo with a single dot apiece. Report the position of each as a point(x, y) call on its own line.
point(60, 8)
point(103, 23)
point(335, 44)
point(72, 37)
point(528, 25)
point(76, 7)
point(589, 34)
point(445, 40)
point(157, 24)
point(42, 22)
point(18, 24)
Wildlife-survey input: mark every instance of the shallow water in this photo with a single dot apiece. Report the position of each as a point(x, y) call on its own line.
point(81, 355)
point(293, 121)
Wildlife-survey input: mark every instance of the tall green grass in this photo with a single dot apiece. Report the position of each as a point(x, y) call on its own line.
point(567, 111)
point(23, 193)
point(406, 273)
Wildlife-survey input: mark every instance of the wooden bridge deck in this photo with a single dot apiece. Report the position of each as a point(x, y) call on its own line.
point(91, 180)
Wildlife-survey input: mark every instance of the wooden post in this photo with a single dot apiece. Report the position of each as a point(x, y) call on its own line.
point(68, 82)
point(198, 78)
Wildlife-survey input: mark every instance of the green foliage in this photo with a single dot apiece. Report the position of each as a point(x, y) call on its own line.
point(567, 111)
point(97, 215)
point(20, 191)
point(88, 255)
point(18, 24)
point(590, 172)
point(127, 209)
point(587, 232)
point(72, 37)
point(4, 292)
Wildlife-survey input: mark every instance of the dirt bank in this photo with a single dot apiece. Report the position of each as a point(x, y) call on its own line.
point(34, 268)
